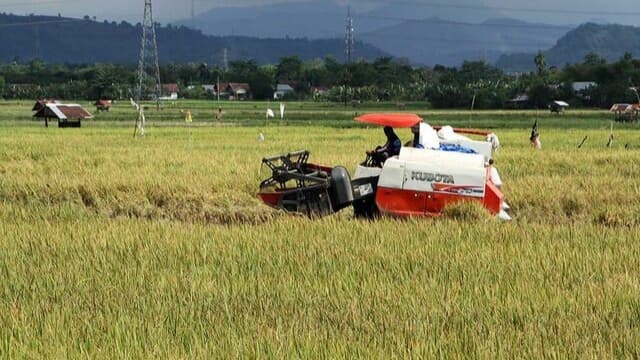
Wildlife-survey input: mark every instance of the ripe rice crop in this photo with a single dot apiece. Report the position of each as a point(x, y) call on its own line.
point(157, 247)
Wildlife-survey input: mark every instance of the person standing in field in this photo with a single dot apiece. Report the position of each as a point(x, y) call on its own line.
point(535, 136)
point(188, 118)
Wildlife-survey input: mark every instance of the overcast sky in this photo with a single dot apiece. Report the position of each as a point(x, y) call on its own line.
point(548, 11)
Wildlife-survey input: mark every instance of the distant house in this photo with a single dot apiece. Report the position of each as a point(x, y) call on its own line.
point(319, 90)
point(518, 102)
point(103, 105)
point(68, 115)
point(625, 112)
point(209, 88)
point(239, 91)
point(171, 91)
point(282, 90)
point(558, 106)
point(232, 91)
point(220, 89)
point(580, 88)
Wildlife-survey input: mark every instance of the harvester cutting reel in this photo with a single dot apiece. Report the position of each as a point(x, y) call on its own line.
point(300, 187)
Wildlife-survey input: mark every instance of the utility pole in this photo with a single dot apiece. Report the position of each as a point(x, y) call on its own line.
point(349, 39)
point(148, 65)
point(349, 43)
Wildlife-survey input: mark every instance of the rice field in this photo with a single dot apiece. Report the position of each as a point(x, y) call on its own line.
point(156, 247)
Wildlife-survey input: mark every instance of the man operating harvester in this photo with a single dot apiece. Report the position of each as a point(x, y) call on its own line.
point(389, 149)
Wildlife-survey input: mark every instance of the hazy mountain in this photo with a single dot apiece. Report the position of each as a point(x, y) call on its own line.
point(423, 33)
point(547, 11)
point(65, 40)
point(442, 10)
point(321, 18)
point(437, 41)
point(608, 41)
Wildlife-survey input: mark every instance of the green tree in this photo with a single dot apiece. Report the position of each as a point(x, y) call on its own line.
point(261, 84)
point(241, 71)
point(289, 69)
point(540, 95)
point(594, 59)
point(541, 63)
point(260, 79)
point(475, 71)
point(334, 70)
point(104, 83)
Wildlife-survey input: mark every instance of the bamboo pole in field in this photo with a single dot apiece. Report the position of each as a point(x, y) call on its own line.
point(582, 142)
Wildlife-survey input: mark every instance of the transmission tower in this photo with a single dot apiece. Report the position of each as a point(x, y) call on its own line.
point(148, 68)
point(225, 59)
point(349, 40)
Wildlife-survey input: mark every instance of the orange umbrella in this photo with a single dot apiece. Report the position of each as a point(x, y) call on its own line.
point(396, 120)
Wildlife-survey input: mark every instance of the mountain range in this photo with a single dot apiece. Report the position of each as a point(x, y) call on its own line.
point(510, 44)
point(436, 41)
point(67, 40)
point(610, 42)
point(317, 19)
point(426, 35)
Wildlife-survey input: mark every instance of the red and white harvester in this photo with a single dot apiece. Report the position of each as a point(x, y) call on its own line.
point(444, 169)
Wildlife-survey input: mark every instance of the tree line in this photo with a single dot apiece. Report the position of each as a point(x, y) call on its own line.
point(385, 79)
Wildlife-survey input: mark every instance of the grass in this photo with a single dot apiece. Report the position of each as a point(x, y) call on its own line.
point(157, 247)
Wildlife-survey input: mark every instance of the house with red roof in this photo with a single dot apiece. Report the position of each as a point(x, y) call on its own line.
point(68, 115)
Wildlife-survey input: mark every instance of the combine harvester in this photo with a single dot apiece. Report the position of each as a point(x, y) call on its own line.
point(446, 168)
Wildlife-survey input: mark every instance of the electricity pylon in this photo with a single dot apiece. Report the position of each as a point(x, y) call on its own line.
point(149, 85)
point(349, 40)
